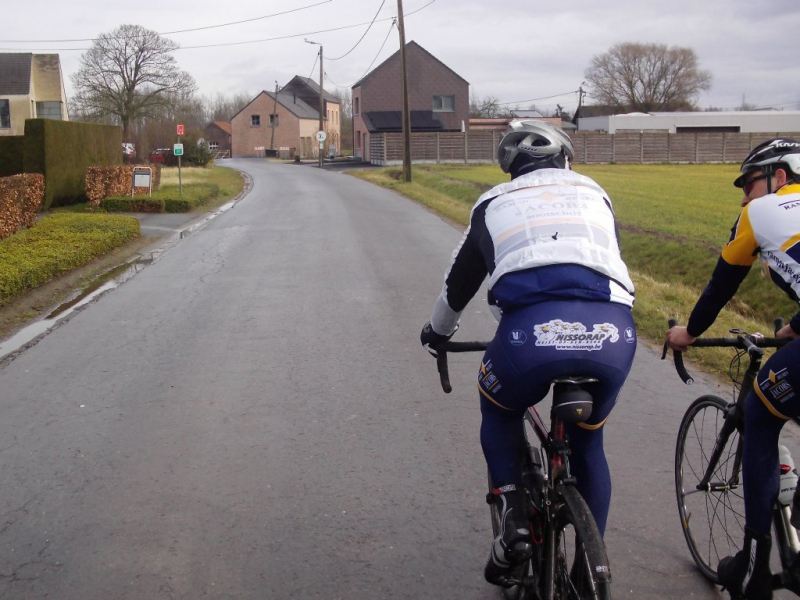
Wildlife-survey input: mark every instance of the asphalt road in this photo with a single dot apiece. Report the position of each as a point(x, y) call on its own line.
point(251, 416)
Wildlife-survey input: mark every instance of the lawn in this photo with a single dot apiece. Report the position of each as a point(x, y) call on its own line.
point(673, 220)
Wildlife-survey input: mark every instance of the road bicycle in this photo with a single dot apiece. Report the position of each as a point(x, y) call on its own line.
point(708, 463)
point(569, 560)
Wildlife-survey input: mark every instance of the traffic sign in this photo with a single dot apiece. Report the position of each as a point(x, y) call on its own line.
point(321, 135)
point(181, 130)
point(177, 149)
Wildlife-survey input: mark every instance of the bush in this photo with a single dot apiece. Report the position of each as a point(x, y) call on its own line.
point(20, 200)
point(141, 204)
point(58, 243)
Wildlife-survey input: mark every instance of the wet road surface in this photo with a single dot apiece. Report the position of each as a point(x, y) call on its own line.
point(251, 416)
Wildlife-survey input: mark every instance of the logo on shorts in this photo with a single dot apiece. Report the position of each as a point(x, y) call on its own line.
point(517, 337)
point(629, 334)
point(487, 379)
point(574, 336)
point(776, 387)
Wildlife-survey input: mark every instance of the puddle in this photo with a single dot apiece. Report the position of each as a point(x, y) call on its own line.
point(107, 281)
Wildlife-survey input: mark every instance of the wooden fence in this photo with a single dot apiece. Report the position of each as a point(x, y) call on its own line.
point(590, 147)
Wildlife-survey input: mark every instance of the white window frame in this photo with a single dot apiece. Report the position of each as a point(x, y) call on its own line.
point(444, 103)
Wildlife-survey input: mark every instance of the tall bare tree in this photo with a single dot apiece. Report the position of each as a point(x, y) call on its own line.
point(129, 73)
point(647, 77)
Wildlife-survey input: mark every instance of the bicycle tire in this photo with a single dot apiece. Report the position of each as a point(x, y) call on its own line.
point(581, 563)
point(712, 520)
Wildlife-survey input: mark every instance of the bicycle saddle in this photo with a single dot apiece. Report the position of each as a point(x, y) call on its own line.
point(572, 403)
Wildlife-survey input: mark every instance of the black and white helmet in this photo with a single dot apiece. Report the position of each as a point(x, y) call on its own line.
point(779, 150)
point(540, 140)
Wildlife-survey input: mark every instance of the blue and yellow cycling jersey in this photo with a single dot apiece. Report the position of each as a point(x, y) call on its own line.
point(769, 228)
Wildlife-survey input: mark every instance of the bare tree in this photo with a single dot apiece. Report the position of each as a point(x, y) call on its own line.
point(647, 77)
point(222, 107)
point(129, 73)
point(487, 108)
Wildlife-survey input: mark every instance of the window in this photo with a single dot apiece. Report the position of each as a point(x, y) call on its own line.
point(274, 121)
point(213, 146)
point(48, 110)
point(355, 111)
point(255, 120)
point(444, 103)
point(5, 115)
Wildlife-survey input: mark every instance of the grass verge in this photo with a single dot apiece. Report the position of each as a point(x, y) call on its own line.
point(673, 220)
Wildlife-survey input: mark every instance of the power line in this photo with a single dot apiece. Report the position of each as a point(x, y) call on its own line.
point(365, 33)
point(285, 12)
point(284, 37)
point(391, 27)
point(536, 99)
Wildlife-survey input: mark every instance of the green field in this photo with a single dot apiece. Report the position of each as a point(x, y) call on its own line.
point(673, 220)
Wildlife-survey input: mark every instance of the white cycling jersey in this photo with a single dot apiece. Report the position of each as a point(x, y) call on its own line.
point(545, 218)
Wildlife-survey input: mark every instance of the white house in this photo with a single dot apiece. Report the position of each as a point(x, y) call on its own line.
point(772, 121)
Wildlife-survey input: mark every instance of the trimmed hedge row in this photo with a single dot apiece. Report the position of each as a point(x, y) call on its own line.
point(63, 150)
point(58, 243)
point(116, 180)
point(167, 199)
point(21, 198)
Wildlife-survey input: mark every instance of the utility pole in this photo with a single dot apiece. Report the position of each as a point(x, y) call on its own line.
point(321, 105)
point(406, 114)
point(320, 131)
point(274, 118)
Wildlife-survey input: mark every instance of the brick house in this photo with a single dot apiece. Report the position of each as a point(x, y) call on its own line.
point(288, 122)
point(31, 87)
point(218, 137)
point(438, 98)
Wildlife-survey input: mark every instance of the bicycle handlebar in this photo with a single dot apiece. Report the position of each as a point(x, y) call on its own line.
point(745, 341)
point(441, 360)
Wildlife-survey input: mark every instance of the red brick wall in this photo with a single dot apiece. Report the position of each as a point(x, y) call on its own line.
point(245, 137)
point(427, 77)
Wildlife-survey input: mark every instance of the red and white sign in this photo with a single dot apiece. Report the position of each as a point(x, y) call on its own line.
point(181, 130)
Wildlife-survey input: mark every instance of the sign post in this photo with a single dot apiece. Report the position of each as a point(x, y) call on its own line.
point(178, 150)
point(321, 135)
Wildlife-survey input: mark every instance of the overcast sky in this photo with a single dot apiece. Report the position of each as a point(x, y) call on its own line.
point(521, 52)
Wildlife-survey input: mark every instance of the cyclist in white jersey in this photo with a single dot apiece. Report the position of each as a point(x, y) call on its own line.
point(768, 227)
point(547, 240)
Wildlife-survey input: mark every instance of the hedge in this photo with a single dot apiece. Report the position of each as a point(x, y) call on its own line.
point(63, 150)
point(57, 244)
point(20, 199)
point(167, 199)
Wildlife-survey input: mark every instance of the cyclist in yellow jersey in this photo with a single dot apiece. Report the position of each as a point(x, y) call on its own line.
point(768, 227)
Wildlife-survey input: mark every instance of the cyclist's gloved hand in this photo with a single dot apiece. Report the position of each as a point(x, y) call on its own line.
point(430, 339)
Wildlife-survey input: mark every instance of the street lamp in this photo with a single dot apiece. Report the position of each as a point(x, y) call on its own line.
point(321, 100)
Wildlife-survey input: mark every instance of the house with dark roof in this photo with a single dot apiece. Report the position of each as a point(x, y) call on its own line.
point(288, 121)
point(31, 87)
point(217, 135)
point(438, 98)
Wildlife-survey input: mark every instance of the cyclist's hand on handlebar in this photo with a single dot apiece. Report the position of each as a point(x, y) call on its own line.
point(786, 332)
point(430, 339)
point(677, 338)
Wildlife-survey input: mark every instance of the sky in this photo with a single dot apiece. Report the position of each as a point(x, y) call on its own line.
point(519, 52)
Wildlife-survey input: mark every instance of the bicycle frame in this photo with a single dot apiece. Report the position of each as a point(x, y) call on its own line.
point(557, 488)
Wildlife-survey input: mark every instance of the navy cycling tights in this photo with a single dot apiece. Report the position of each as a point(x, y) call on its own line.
point(532, 346)
point(775, 398)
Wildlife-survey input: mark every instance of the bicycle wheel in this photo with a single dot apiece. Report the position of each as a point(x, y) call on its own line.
point(581, 569)
point(712, 518)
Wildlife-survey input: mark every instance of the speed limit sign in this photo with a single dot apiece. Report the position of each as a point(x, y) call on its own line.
point(321, 135)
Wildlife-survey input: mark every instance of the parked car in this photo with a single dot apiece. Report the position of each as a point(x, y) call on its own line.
point(163, 156)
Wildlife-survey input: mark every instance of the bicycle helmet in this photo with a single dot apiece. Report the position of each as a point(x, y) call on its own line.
point(765, 156)
point(539, 140)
